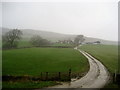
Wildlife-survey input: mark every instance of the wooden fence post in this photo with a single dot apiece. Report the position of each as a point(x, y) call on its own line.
point(59, 75)
point(118, 79)
point(114, 77)
point(46, 76)
point(41, 76)
point(69, 74)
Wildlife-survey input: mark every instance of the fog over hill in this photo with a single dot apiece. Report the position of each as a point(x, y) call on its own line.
point(28, 33)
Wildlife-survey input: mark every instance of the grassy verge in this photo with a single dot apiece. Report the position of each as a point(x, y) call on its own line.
point(28, 84)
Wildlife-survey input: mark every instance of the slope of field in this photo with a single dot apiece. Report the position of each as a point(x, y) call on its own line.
point(107, 54)
point(32, 61)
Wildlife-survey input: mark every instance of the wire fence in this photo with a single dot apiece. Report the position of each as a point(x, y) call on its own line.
point(44, 76)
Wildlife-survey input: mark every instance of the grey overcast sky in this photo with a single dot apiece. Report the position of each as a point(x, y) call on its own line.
point(92, 19)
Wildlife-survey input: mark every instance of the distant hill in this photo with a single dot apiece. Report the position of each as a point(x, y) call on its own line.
point(28, 33)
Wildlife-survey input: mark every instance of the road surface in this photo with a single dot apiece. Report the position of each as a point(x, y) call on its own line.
point(96, 77)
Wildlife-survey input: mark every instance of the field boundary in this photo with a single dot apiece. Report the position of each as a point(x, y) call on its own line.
point(44, 76)
point(39, 47)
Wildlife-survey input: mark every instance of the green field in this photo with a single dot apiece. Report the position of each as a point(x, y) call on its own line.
point(32, 61)
point(107, 54)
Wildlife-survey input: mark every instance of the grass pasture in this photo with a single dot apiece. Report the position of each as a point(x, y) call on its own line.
point(33, 61)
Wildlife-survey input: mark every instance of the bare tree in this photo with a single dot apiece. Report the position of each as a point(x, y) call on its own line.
point(39, 41)
point(11, 38)
point(79, 39)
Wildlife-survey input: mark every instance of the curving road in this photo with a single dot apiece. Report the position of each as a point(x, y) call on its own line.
point(96, 77)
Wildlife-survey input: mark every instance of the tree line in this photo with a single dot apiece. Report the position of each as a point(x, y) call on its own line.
point(12, 38)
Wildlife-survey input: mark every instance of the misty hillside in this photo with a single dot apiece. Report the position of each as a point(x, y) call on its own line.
point(28, 33)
